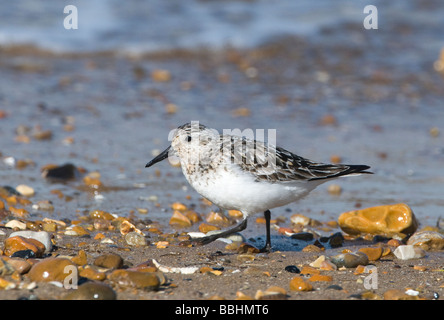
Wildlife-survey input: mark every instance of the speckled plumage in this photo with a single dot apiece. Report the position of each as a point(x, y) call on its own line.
point(247, 175)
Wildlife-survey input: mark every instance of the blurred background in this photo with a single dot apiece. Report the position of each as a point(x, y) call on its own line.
point(105, 96)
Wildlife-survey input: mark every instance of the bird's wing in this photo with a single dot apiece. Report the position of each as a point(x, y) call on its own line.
point(269, 163)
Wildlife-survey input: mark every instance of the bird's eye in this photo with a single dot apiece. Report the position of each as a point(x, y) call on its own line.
point(188, 138)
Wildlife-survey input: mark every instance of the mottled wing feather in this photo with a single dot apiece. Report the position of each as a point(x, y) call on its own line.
point(273, 164)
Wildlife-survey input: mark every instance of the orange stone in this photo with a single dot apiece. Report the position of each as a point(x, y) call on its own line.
point(204, 227)
point(205, 269)
point(394, 294)
point(99, 236)
point(20, 212)
point(320, 277)
point(420, 268)
point(373, 254)
point(385, 220)
point(161, 75)
point(386, 251)
point(179, 206)
point(235, 214)
point(80, 259)
point(312, 248)
point(127, 227)
point(100, 214)
point(18, 243)
point(80, 231)
point(218, 219)
point(283, 230)
point(193, 216)
point(327, 265)
point(299, 284)
point(92, 274)
point(179, 220)
point(359, 269)
point(52, 269)
point(133, 279)
point(309, 270)
point(261, 220)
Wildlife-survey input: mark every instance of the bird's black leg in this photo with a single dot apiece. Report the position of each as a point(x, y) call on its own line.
point(205, 240)
point(267, 247)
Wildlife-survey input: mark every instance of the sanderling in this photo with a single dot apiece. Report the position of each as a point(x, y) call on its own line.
point(251, 176)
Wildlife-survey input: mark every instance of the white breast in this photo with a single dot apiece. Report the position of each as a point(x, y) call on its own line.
point(236, 189)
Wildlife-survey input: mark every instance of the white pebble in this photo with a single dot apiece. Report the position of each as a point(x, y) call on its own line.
point(9, 161)
point(107, 241)
point(15, 224)
point(25, 190)
point(409, 252)
point(411, 292)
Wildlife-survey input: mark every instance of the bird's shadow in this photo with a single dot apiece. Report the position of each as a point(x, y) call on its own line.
point(284, 243)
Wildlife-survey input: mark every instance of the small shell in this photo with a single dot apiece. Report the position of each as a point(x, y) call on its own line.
point(183, 270)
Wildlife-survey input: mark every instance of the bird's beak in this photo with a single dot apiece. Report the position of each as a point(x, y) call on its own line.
point(163, 155)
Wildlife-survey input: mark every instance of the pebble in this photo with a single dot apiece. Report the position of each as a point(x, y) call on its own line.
point(92, 180)
point(336, 240)
point(335, 287)
point(427, 240)
point(7, 285)
point(394, 294)
point(161, 75)
point(204, 227)
point(313, 248)
point(247, 248)
point(350, 259)
point(91, 291)
point(272, 293)
point(135, 239)
point(383, 220)
point(309, 270)
point(18, 212)
point(127, 227)
point(193, 216)
point(20, 265)
point(320, 278)
point(6, 268)
point(80, 259)
point(299, 284)
point(407, 252)
point(334, 189)
point(179, 220)
point(24, 254)
point(300, 219)
point(43, 205)
point(91, 273)
point(317, 263)
point(373, 254)
point(218, 219)
point(64, 172)
point(394, 243)
point(292, 269)
point(25, 190)
point(305, 236)
point(17, 243)
point(51, 269)
point(16, 224)
point(109, 261)
point(328, 266)
point(41, 236)
point(178, 206)
point(133, 279)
